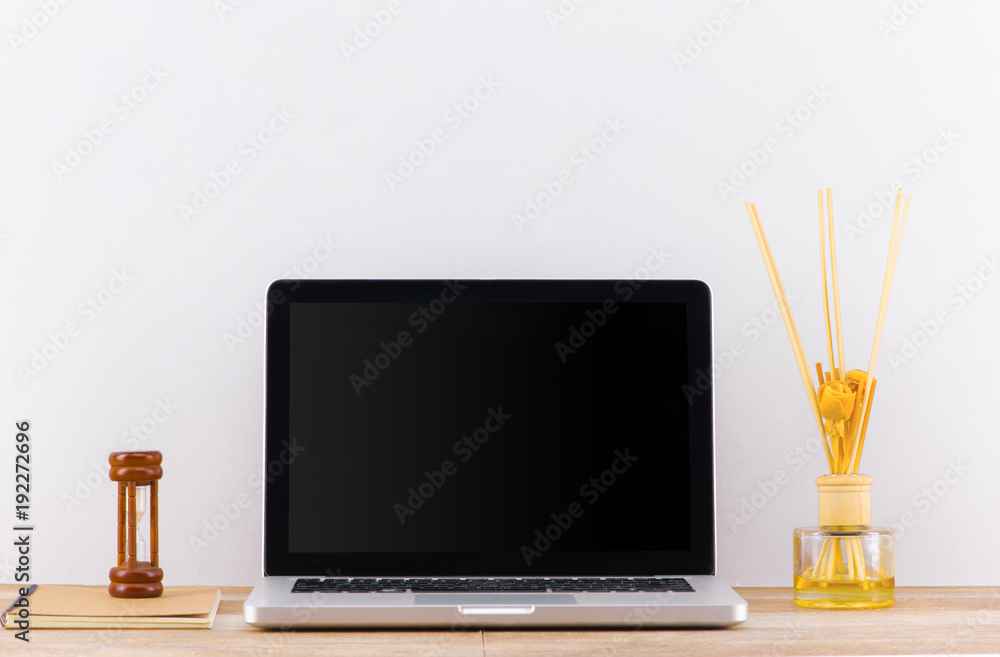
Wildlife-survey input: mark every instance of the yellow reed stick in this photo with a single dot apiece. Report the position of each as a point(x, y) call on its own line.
point(779, 292)
point(826, 439)
point(786, 315)
point(817, 569)
point(849, 554)
point(890, 270)
point(835, 555)
point(858, 557)
point(893, 236)
point(819, 566)
point(859, 398)
point(835, 559)
point(826, 297)
point(864, 426)
point(836, 285)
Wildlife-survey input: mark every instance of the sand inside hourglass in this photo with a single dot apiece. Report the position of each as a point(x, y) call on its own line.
point(141, 540)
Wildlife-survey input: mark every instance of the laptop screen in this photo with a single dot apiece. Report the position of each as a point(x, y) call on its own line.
point(489, 427)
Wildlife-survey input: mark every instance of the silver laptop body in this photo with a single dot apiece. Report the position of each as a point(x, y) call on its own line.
point(489, 453)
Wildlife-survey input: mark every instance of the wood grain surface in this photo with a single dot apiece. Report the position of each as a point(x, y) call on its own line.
point(923, 621)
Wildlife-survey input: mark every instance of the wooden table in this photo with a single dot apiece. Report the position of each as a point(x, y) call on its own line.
point(923, 620)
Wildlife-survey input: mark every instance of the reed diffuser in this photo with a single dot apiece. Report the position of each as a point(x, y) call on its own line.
point(845, 562)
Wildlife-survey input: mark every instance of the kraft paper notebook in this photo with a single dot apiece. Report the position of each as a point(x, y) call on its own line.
point(53, 606)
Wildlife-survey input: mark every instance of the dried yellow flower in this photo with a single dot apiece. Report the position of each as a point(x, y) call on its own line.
point(856, 379)
point(836, 400)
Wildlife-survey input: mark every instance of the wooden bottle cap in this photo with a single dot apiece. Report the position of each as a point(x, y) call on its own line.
point(844, 499)
point(140, 467)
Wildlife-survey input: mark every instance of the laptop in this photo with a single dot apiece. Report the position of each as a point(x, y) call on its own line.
point(489, 453)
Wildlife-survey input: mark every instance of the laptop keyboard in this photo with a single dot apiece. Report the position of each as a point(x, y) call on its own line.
point(527, 585)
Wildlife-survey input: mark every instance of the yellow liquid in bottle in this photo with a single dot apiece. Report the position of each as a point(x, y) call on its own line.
point(844, 593)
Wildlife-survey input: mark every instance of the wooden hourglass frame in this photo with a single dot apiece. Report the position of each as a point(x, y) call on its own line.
point(137, 474)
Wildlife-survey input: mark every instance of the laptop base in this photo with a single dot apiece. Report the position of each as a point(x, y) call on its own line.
point(272, 605)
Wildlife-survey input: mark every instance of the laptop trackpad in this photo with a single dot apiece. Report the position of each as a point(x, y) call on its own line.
point(494, 599)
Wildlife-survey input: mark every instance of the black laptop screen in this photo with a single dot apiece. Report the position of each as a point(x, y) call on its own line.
point(533, 432)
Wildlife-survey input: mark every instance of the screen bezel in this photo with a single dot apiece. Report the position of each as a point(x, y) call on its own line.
point(699, 560)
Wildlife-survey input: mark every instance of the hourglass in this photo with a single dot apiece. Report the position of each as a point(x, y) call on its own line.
point(137, 574)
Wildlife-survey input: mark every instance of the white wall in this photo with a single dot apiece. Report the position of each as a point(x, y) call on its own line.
point(880, 99)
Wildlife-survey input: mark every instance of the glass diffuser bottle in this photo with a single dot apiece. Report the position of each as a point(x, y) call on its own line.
point(845, 562)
